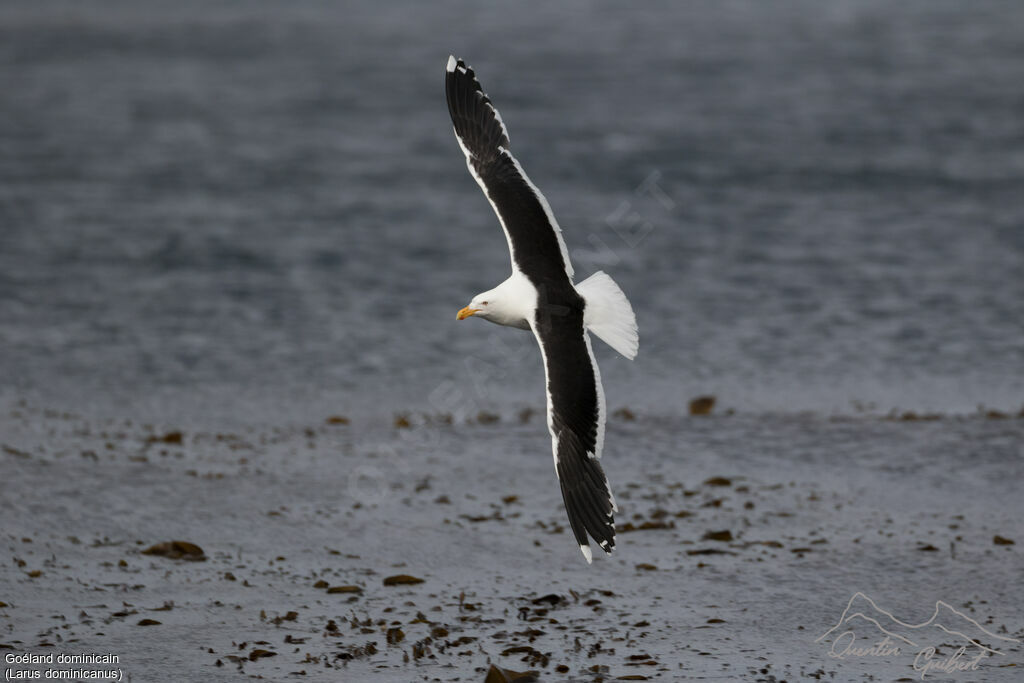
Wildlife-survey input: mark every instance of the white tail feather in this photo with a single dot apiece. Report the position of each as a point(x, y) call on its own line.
point(608, 314)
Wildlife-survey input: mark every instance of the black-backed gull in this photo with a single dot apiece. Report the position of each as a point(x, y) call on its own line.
point(540, 296)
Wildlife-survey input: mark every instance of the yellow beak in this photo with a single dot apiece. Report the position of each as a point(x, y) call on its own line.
point(466, 312)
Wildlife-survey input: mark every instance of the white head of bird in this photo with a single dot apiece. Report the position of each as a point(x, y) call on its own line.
point(507, 304)
point(480, 307)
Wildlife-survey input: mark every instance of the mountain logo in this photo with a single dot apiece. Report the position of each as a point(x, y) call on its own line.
point(866, 630)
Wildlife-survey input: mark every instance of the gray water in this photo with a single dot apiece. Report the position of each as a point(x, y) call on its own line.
point(261, 207)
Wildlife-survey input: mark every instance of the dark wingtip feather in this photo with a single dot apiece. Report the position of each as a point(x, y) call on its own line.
point(588, 504)
point(477, 123)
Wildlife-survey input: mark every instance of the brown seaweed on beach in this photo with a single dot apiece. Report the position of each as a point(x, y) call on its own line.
point(173, 437)
point(702, 405)
point(709, 551)
point(550, 599)
point(402, 580)
point(497, 675)
point(177, 550)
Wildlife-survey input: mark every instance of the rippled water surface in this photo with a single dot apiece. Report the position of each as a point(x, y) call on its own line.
point(266, 200)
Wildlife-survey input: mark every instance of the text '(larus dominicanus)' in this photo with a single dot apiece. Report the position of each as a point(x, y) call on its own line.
point(540, 296)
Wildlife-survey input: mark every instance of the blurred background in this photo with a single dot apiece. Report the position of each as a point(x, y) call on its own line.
point(217, 209)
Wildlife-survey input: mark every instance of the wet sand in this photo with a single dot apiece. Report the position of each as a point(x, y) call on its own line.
point(742, 538)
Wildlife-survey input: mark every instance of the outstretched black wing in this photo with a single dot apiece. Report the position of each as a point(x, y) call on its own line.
point(534, 238)
point(576, 415)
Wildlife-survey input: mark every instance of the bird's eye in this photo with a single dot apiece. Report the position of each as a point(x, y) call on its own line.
point(483, 303)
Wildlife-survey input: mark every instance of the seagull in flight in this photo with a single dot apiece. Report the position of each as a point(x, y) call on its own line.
point(540, 296)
